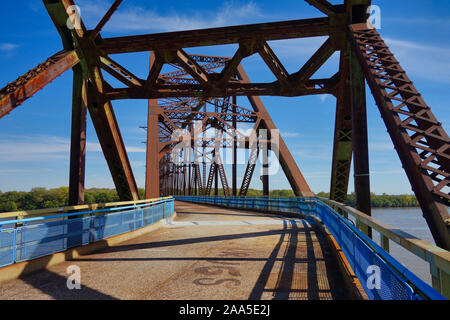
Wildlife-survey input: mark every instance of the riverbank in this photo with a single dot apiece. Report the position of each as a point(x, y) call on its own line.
point(41, 198)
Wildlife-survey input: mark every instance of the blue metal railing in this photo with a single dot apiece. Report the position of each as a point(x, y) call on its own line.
point(26, 239)
point(365, 257)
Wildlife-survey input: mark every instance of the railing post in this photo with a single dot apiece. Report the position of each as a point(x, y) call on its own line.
point(384, 242)
point(343, 213)
point(15, 246)
point(435, 278)
point(164, 209)
point(445, 284)
point(440, 281)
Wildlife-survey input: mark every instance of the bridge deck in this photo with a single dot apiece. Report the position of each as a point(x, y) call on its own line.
point(206, 253)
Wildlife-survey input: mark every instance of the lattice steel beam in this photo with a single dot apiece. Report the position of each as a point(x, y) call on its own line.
point(15, 93)
point(419, 138)
point(249, 170)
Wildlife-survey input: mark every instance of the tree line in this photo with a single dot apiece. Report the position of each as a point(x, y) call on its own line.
point(40, 198)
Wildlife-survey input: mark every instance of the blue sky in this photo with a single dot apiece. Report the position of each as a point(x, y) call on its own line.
point(34, 139)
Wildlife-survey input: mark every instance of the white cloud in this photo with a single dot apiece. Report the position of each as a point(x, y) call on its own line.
point(424, 60)
point(323, 97)
point(96, 147)
point(8, 47)
point(43, 147)
point(287, 134)
point(418, 20)
point(7, 171)
point(136, 18)
point(440, 50)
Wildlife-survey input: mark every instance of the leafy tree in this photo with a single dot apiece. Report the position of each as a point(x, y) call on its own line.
point(39, 198)
point(9, 206)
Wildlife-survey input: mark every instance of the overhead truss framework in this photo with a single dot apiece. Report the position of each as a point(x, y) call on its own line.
point(205, 89)
point(186, 150)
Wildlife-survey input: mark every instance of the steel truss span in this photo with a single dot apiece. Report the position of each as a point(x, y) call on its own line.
point(206, 92)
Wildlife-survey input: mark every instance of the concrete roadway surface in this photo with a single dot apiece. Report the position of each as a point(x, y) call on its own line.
point(205, 253)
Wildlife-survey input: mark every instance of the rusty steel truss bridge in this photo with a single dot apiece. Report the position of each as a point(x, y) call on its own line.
point(205, 89)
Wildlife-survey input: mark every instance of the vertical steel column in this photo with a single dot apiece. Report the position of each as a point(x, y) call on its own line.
point(234, 165)
point(357, 12)
point(360, 140)
point(265, 169)
point(78, 138)
point(152, 161)
point(185, 179)
point(195, 178)
point(190, 178)
point(342, 149)
point(216, 180)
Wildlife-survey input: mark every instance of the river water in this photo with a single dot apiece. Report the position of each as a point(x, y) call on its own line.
point(411, 221)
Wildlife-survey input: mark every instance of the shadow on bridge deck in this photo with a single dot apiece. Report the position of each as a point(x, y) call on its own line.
point(207, 253)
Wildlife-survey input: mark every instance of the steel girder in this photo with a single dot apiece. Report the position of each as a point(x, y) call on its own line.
point(202, 81)
point(100, 109)
point(15, 93)
point(223, 117)
point(342, 150)
point(421, 142)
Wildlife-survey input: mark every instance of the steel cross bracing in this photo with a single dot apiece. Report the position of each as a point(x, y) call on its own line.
point(218, 114)
point(204, 89)
point(421, 142)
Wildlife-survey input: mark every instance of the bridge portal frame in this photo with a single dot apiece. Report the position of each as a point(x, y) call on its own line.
point(421, 143)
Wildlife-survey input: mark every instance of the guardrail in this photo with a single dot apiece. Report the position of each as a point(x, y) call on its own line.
point(397, 282)
point(67, 209)
point(438, 258)
point(45, 232)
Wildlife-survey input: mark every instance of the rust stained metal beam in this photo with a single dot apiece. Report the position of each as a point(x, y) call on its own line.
point(153, 152)
point(120, 73)
point(421, 142)
point(110, 138)
point(212, 173)
point(106, 18)
point(323, 5)
point(65, 7)
point(78, 138)
point(230, 68)
point(360, 142)
point(191, 67)
point(100, 109)
point(156, 65)
point(234, 165)
point(223, 176)
point(311, 87)
point(325, 51)
point(217, 36)
point(152, 157)
point(287, 162)
point(15, 93)
point(342, 149)
point(198, 178)
point(250, 169)
point(274, 63)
